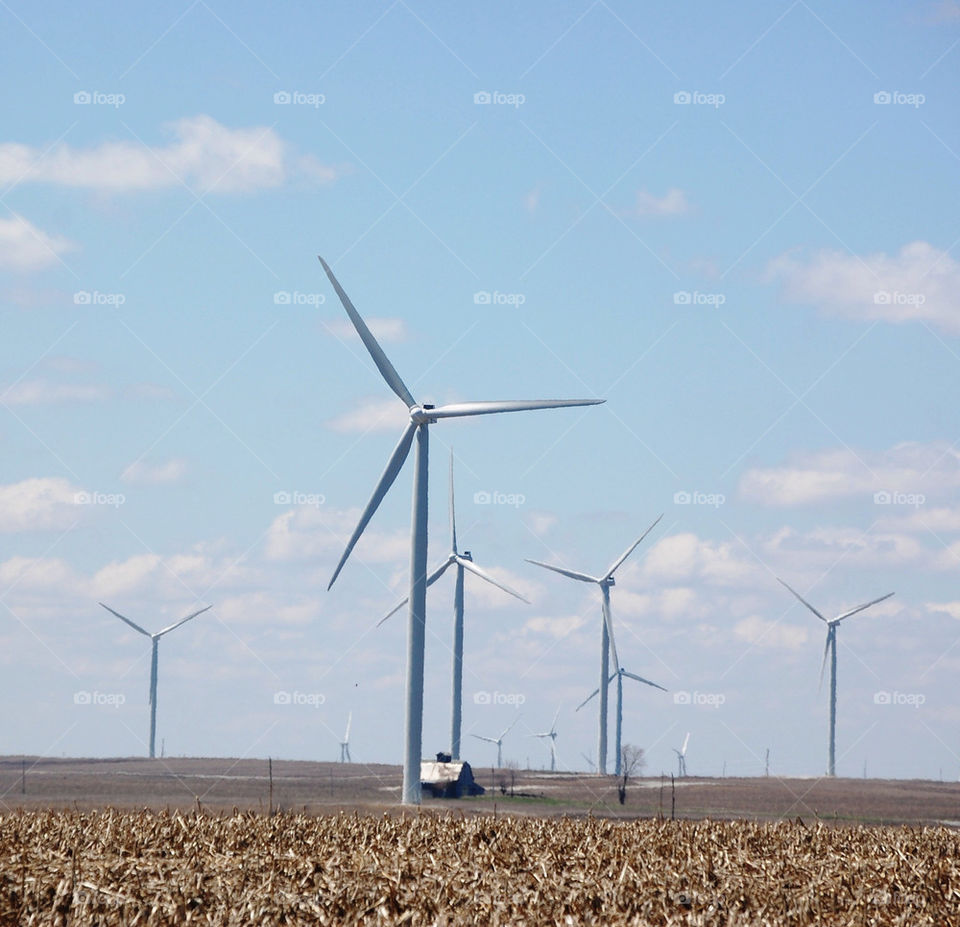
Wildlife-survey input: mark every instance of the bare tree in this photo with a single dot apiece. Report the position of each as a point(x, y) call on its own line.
point(631, 761)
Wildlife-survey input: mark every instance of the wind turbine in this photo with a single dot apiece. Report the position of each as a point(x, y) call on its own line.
point(831, 648)
point(462, 562)
point(552, 734)
point(155, 639)
point(421, 417)
point(345, 743)
point(682, 757)
point(498, 740)
point(620, 673)
point(606, 635)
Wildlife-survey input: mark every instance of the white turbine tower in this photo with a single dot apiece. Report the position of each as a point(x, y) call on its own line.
point(552, 734)
point(606, 636)
point(421, 417)
point(620, 673)
point(345, 743)
point(155, 639)
point(682, 757)
point(498, 740)
point(462, 562)
point(831, 648)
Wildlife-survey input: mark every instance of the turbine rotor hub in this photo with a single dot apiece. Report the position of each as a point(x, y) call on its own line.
point(420, 415)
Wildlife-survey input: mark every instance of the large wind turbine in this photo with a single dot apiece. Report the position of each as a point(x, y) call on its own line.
point(552, 734)
point(606, 635)
point(682, 757)
point(462, 562)
point(345, 743)
point(421, 417)
point(155, 639)
point(831, 648)
point(498, 740)
point(620, 673)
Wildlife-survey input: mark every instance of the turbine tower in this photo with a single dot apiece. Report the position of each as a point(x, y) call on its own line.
point(682, 757)
point(498, 740)
point(830, 648)
point(552, 734)
point(155, 639)
point(463, 562)
point(620, 673)
point(421, 417)
point(345, 743)
point(606, 636)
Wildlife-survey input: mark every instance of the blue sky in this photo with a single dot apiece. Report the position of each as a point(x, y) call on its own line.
point(736, 226)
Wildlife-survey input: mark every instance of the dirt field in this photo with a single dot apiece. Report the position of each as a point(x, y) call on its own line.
point(314, 788)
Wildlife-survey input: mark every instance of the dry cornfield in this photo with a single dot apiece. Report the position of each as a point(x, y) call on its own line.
point(150, 868)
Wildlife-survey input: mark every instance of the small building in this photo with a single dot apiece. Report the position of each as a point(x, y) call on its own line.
point(442, 778)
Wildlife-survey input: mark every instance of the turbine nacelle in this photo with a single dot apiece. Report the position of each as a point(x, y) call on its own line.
point(420, 415)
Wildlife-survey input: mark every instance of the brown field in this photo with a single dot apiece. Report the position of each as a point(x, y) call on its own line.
point(163, 868)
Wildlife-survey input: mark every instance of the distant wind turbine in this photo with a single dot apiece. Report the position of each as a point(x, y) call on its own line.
point(155, 639)
point(498, 740)
point(606, 636)
point(345, 743)
point(831, 648)
point(462, 562)
point(421, 417)
point(682, 757)
point(620, 673)
point(552, 734)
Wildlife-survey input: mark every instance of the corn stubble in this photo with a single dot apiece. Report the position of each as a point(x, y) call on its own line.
point(152, 868)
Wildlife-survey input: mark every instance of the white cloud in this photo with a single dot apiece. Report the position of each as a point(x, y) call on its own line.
point(944, 608)
point(39, 574)
point(775, 634)
point(372, 414)
point(685, 557)
point(151, 474)
point(908, 468)
point(919, 282)
point(823, 548)
point(38, 504)
point(25, 247)
point(555, 627)
point(203, 154)
point(672, 203)
point(43, 392)
point(540, 523)
point(384, 330)
point(531, 200)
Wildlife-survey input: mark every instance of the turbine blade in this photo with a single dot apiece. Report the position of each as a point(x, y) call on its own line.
point(823, 664)
point(394, 465)
point(483, 574)
point(641, 679)
point(509, 728)
point(431, 579)
point(571, 573)
point(346, 736)
point(553, 726)
point(177, 624)
point(802, 599)
point(132, 624)
point(587, 699)
point(860, 608)
point(608, 621)
point(376, 352)
point(686, 740)
point(487, 407)
point(631, 549)
point(489, 740)
point(453, 515)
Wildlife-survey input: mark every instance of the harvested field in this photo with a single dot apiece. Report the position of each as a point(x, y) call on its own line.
point(159, 868)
